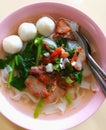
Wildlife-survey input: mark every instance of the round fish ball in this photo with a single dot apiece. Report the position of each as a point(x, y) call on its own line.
point(45, 26)
point(12, 44)
point(27, 31)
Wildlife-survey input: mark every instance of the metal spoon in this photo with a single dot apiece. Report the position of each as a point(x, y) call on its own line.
point(99, 79)
point(98, 72)
point(90, 58)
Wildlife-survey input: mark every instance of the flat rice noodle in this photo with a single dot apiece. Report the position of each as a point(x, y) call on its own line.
point(62, 105)
point(73, 25)
point(5, 74)
point(50, 109)
point(17, 95)
point(58, 106)
point(85, 85)
point(86, 70)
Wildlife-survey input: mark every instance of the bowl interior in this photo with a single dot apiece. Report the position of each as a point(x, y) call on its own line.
point(96, 38)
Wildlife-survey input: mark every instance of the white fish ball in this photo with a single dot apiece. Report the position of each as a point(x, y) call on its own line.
point(12, 44)
point(27, 31)
point(45, 26)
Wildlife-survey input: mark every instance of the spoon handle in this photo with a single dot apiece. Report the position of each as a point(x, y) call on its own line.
point(99, 79)
point(90, 58)
point(96, 66)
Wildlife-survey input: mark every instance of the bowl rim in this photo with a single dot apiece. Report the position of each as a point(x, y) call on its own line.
point(29, 123)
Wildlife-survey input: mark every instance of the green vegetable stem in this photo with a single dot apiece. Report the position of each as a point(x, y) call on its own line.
point(12, 64)
point(39, 108)
point(68, 80)
point(38, 41)
point(68, 98)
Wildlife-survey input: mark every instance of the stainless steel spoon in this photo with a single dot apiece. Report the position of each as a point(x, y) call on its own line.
point(98, 72)
point(99, 79)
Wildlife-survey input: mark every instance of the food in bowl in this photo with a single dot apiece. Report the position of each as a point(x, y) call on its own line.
point(19, 109)
point(45, 62)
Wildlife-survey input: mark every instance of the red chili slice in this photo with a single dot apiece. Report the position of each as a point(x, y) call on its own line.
point(56, 53)
point(53, 56)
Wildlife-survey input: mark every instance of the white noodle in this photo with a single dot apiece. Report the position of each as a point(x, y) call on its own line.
point(62, 105)
point(73, 25)
point(86, 71)
point(85, 85)
point(50, 108)
point(72, 93)
point(18, 95)
point(53, 108)
point(5, 73)
point(77, 101)
point(94, 87)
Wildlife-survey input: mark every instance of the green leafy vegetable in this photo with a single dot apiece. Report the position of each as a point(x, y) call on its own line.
point(68, 80)
point(61, 42)
point(3, 63)
point(56, 65)
point(44, 51)
point(39, 108)
point(22, 63)
point(6, 61)
point(71, 52)
point(78, 76)
point(27, 52)
point(18, 83)
point(26, 59)
point(57, 60)
point(22, 66)
point(10, 60)
point(68, 69)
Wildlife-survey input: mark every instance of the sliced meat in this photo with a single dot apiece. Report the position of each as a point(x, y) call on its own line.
point(36, 87)
point(63, 30)
point(55, 94)
point(61, 82)
point(45, 79)
point(35, 70)
point(78, 58)
point(62, 27)
point(40, 74)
